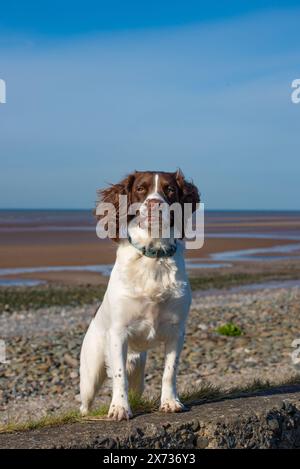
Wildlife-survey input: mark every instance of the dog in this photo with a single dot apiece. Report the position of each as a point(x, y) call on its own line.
point(147, 299)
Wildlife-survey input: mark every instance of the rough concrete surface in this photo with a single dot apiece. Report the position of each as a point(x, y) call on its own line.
point(269, 419)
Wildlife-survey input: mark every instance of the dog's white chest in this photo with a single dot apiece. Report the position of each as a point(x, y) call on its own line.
point(153, 323)
point(147, 299)
point(156, 280)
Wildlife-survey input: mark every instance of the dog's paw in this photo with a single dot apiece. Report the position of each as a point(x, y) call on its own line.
point(172, 405)
point(119, 412)
point(84, 410)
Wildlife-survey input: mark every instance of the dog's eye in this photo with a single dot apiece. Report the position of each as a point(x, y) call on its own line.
point(140, 189)
point(171, 189)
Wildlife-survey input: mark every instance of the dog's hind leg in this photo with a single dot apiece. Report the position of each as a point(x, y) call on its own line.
point(92, 367)
point(136, 370)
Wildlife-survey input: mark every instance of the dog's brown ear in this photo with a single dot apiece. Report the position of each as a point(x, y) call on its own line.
point(188, 193)
point(111, 195)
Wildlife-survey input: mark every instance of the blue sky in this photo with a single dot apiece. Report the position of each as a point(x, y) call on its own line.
point(96, 89)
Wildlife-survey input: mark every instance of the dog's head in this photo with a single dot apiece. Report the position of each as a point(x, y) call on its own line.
point(150, 190)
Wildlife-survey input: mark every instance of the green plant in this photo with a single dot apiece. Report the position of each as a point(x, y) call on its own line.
point(229, 329)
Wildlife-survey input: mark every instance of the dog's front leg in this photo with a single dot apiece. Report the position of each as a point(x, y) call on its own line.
point(169, 399)
point(119, 407)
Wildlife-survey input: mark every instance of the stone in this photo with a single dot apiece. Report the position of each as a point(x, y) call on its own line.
point(202, 442)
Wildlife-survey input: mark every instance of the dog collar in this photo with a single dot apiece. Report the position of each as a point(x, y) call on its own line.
point(155, 252)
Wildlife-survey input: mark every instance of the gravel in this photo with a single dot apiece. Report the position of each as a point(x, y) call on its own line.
point(42, 349)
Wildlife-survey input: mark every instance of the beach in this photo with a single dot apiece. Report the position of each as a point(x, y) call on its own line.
point(43, 347)
point(247, 273)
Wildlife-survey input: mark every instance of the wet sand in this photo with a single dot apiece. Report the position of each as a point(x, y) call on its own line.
point(80, 248)
point(98, 252)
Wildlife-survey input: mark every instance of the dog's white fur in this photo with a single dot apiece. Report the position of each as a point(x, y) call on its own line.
point(147, 302)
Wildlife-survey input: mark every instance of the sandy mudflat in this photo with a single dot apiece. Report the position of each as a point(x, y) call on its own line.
point(58, 238)
point(44, 249)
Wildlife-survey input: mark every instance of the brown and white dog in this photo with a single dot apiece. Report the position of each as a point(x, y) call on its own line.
point(146, 302)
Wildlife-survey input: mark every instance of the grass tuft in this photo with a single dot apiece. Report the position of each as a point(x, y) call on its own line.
point(140, 404)
point(203, 392)
point(47, 421)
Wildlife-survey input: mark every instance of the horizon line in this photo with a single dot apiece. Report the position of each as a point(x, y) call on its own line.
point(207, 210)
